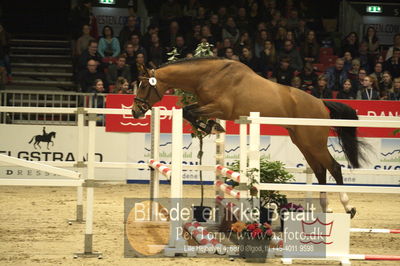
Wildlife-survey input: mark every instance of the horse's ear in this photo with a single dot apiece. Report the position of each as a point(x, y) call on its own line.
point(143, 71)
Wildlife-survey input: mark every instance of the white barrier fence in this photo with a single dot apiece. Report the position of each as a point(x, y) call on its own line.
point(253, 153)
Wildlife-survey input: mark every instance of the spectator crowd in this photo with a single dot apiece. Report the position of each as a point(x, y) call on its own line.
point(279, 40)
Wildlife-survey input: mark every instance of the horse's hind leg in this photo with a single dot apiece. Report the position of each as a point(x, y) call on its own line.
point(312, 142)
point(317, 167)
point(37, 143)
point(335, 169)
point(336, 172)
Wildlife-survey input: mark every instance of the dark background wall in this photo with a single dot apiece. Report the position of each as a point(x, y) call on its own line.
point(38, 16)
point(51, 16)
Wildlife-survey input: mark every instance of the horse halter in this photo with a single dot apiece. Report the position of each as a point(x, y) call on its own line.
point(143, 104)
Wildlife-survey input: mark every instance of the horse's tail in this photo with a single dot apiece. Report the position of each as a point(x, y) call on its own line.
point(32, 139)
point(347, 135)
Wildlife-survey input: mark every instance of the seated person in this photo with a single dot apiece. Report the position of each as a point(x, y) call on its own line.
point(108, 44)
point(336, 75)
point(309, 77)
point(122, 86)
point(250, 60)
point(290, 51)
point(138, 69)
point(322, 91)
point(119, 69)
point(89, 75)
point(89, 54)
point(83, 42)
point(284, 73)
point(346, 92)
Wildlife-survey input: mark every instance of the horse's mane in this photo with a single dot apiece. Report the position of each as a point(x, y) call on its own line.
point(191, 60)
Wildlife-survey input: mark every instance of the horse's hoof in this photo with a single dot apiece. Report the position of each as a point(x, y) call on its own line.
point(217, 128)
point(352, 212)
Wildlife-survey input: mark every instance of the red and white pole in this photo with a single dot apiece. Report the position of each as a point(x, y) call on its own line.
point(373, 230)
point(163, 169)
point(205, 238)
point(227, 189)
point(374, 257)
point(235, 176)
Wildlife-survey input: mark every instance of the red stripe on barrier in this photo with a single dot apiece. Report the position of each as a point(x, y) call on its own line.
point(166, 170)
point(381, 257)
point(219, 198)
point(229, 172)
point(395, 231)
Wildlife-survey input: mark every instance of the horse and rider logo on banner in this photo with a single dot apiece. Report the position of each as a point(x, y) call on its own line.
point(45, 137)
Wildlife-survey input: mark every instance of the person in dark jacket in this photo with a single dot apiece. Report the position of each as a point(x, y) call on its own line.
point(336, 75)
point(284, 73)
point(128, 30)
point(89, 54)
point(322, 91)
point(119, 69)
point(370, 90)
point(249, 60)
point(346, 92)
point(89, 75)
point(308, 77)
point(394, 95)
point(293, 54)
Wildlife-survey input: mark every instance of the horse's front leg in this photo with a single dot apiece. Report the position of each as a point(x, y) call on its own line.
point(192, 113)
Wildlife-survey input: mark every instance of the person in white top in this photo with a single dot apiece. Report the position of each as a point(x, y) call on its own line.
point(396, 44)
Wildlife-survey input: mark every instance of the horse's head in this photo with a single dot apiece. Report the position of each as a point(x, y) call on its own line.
point(52, 134)
point(147, 94)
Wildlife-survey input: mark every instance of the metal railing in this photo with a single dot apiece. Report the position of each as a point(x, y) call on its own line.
point(29, 98)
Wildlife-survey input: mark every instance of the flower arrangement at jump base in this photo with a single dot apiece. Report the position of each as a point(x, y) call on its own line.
point(254, 230)
point(253, 239)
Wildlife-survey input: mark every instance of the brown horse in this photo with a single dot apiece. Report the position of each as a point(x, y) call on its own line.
point(228, 89)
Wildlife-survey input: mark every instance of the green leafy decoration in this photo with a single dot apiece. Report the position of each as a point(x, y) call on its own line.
point(270, 172)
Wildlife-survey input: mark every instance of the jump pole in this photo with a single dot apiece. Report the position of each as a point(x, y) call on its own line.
point(39, 166)
point(176, 244)
point(254, 149)
point(374, 230)
point(374, 257)
point(220, 160)
point(90, 182)
point(155, 155)
point(80, 164)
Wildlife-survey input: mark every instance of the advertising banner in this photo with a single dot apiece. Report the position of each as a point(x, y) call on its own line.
point(386, 27)
point(114, 17)
point(59, 143)
point(126, 123)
